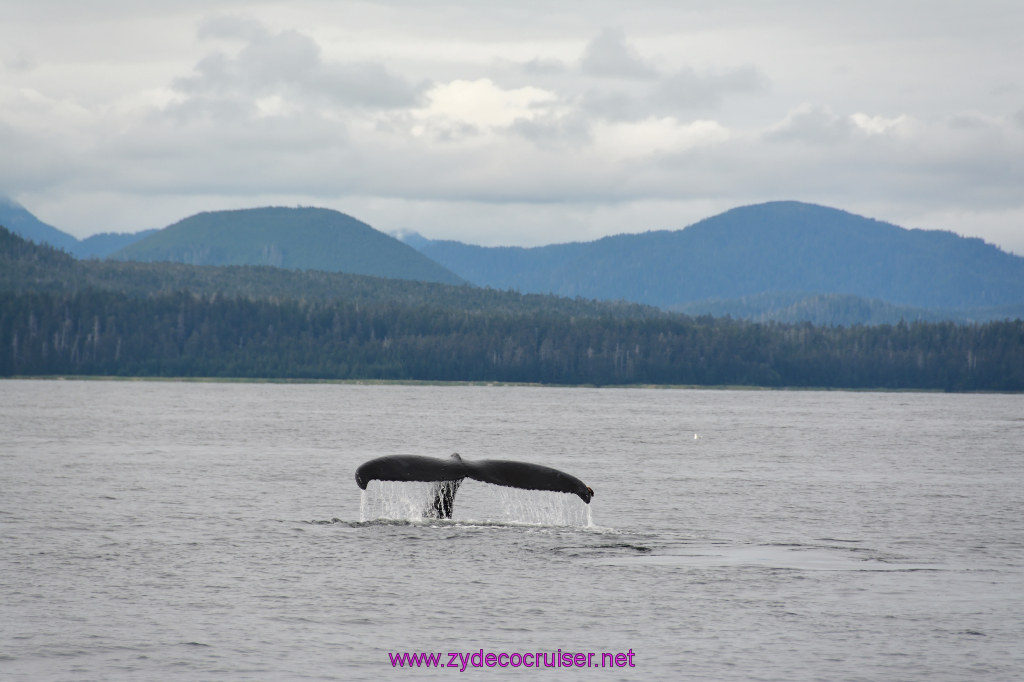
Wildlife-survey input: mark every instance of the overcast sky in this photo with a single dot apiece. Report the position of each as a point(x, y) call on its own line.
point(521, 122)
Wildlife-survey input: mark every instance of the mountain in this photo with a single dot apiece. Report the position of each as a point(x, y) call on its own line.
point(787, 248)
point(15, 218)
point(293, 238)
point(781, 261)
point(27, 268)
point(103, 244)
point(18, 220)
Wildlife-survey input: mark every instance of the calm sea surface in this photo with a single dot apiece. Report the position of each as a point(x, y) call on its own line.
point(186, 531)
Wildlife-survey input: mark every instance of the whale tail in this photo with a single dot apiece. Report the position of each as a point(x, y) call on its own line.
point(449, 474)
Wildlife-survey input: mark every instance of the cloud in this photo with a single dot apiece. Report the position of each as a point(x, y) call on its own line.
point(688, 89)
point(567, 132)
point(232, 27)
point(608, 56)
point(657, 136)
point(814, 124)
point(288, 64)
point(615, 104)
point(1018, 118)
point(943, 165)
point(42, 160)
point(540, 66)
point(481, 103)
point(880, 125)
point(684, 92)
point(817, 124)
point(631, 89)
point(20, 62)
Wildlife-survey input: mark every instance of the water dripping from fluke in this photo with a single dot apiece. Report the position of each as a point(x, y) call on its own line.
point(478, 503)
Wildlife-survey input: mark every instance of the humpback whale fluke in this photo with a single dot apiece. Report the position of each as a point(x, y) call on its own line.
point(448, 474)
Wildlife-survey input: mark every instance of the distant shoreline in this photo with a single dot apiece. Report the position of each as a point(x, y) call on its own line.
point(487, 384)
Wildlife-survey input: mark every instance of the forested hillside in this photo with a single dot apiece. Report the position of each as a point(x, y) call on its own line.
point(27, 268)
point(187, 335)
point(59, 316)
point(840, 310)
point(292, 238)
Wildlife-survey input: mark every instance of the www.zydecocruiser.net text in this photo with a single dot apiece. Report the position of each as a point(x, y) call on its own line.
point(462, 660)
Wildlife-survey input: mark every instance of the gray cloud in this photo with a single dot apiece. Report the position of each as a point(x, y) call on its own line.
point(569, 131)
point(42, 161)
point(545, 67)
point(968, 121)
point(632, 89)
point(290, 63)
point(609, 56)
point(680, 93)
point(231, 26)
point(688, 89)
point(811, 124)
point(20, 62)
point(614, 105)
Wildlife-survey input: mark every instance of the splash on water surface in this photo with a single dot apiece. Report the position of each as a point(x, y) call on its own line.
point(475, 502)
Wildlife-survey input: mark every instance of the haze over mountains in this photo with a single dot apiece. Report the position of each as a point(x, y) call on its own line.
point(785, 261)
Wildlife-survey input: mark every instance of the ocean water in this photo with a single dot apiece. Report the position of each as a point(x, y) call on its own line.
point(184, 531)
